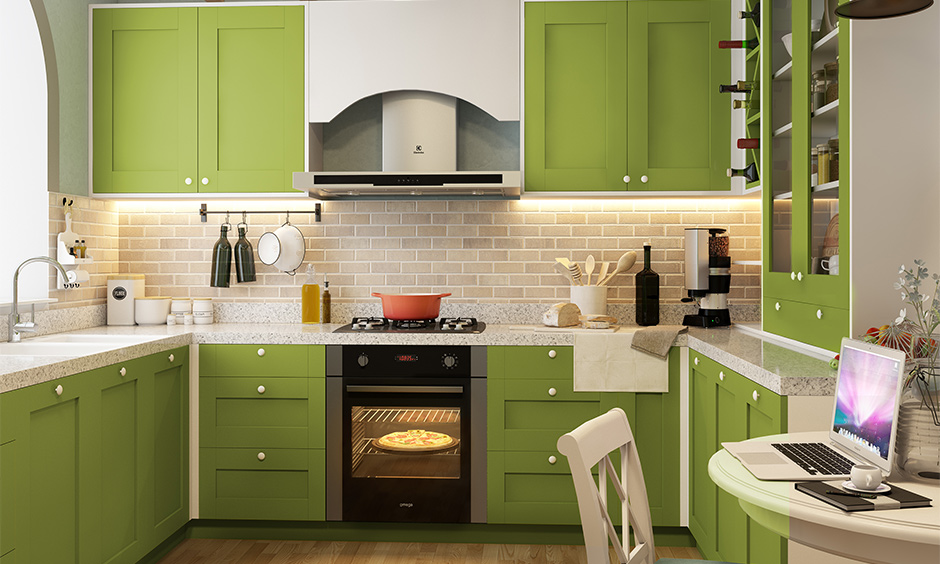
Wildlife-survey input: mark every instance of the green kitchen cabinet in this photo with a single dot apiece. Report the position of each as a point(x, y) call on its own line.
point(189, 100)
point(726, 406)
point(531, 402)
point(7, 505)
point(621, 96)
point(262, 432)
point(806, 215)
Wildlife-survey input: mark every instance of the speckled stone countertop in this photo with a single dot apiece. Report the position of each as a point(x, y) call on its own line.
point(781, 370)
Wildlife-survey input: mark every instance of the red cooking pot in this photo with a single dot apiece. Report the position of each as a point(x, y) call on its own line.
point(410, 307)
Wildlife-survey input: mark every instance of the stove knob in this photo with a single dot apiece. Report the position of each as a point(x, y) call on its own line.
point(363, 360)
point(449, 360)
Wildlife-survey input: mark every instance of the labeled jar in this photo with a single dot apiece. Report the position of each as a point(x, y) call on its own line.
point(180, 307)
point(832, 81)
point(202, 311)
point(833, 160)
point(817, 90)
point(822, 176)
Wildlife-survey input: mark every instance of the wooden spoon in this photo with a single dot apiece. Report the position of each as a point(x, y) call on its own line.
point(588, 269)
point(626, 262)
point(600, 275)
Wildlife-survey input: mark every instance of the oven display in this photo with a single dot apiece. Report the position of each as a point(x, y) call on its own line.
point(406, 358)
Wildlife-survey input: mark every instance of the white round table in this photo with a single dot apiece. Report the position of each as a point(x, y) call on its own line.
point(898, 536)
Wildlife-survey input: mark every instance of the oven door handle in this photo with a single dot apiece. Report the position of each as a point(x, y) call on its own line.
point(405, 389)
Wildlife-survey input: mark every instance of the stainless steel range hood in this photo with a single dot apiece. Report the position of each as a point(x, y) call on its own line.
point(419, 158)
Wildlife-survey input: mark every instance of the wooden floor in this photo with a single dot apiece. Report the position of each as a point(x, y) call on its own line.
point(210, 551)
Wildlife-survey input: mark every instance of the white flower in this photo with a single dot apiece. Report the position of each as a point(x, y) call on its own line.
point(901, 270)
point(904, 296)
point(902, 317)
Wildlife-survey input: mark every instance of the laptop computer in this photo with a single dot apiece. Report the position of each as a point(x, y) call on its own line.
point(862, 428)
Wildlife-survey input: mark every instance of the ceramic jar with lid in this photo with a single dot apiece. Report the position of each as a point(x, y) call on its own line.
point(202, 311)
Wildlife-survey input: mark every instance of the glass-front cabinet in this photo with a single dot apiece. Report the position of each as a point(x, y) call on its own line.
point(805, 114)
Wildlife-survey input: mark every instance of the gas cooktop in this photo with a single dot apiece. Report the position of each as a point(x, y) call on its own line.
point(443, 325)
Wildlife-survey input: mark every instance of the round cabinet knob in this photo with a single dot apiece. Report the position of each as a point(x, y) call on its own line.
point(695, 361)
point(59, 390)
point(552, 392)
point(799, 276)
point(793, 276)
point(818, 314)
point(205, 181)
point(626, 179)
point(755, 395)
point(123, 371)
point(644, 179)
point(777, 306)
point(260, 352)
point(171, 358)
point(721, 376)
point(260, 389)
point(363, 360)
point(188, 181)
point(261, 456)
point(552, 459)
point(552, 353)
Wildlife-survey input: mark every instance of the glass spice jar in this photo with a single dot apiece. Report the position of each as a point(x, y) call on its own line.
point(832, 82)
point(822, 175)
point(814, 165)
point(818, 90)
point(833, 160)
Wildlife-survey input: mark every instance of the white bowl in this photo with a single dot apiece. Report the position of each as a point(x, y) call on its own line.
point(152, 310)
point(788, 43)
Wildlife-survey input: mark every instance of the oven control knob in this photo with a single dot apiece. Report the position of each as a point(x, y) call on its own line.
point(363, 360)
point(449, 360)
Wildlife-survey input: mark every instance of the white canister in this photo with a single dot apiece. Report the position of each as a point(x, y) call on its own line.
point(123, 289)
point(180, 307)
point(591, 300)
point(202, 311)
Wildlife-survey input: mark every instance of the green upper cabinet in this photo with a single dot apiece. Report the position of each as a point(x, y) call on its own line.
point(806, 200)
point(189, 100)
point(623, 96)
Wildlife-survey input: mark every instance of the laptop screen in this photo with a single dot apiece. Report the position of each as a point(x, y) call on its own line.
point(866, 399)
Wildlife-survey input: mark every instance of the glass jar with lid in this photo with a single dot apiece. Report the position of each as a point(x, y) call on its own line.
point(822, 175)
point(832, 81)
point(833, 160)
point(818, 86)
point(814, 165)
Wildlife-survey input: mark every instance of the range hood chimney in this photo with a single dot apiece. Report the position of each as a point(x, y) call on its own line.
point(419, 158)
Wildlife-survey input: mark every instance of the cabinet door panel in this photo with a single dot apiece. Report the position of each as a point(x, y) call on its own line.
point(169, 461)
point(820, 325)
point(575, 87)
point(8, 515)
point(144, 128)
point(251, 103)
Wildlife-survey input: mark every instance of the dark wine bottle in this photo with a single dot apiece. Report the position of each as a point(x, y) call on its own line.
point(647, 292)
point(739, 44)
point(749, 172)
point(221, 261)
point(244, 258)
point(753, 15)
point(733, 88)
point(749, 143)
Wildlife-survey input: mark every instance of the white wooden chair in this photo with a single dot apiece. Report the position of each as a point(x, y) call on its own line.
point(588, 446)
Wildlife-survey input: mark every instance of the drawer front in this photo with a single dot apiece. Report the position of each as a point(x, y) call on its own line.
point(262, 411)
point(268, 484)
point(253, 360)
point(551, 390)
point(538, 362)
point(821, 326)
point(535, 424)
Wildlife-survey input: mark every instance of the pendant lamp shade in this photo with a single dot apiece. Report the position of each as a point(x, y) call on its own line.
point(879, 9)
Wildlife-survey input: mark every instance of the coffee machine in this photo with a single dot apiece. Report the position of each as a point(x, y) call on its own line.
point(707, 276)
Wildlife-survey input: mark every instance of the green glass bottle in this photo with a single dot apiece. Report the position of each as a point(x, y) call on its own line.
point(647, 292)
point(244, 258)
point(221, 261)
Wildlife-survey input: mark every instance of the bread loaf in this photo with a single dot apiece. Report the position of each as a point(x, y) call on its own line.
point(562, 315)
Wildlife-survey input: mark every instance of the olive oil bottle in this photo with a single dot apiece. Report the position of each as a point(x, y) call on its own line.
point(310, 298)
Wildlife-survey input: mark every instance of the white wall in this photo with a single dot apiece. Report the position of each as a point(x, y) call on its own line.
point(895, 158)
point(24, 211)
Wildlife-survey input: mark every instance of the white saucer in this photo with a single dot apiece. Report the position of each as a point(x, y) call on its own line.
point(882, 488)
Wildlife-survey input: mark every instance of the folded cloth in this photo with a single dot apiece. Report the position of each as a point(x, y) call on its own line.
point(657, 340)
point(604, 362)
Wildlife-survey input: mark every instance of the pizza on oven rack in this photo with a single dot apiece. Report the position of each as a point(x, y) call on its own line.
point(415, 440)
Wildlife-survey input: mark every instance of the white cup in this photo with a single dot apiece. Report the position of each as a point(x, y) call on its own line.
point(591, 300)
point(831, 264)
point(866, 477)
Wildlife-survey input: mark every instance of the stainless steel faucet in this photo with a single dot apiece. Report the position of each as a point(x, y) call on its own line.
point(16, 326)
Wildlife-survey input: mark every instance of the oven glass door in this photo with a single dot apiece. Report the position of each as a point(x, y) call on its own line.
point(406, 448)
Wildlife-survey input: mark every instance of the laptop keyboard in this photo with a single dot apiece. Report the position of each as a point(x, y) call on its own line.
point(816, 458)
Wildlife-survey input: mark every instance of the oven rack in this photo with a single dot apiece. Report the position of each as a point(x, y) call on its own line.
point(399, 415)
point(365, 446)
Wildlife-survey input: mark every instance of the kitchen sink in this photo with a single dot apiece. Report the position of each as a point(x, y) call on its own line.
point(70, 345)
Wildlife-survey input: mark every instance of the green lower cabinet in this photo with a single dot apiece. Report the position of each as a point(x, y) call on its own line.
point(726, 407)
point(820, 325)
point(531, 402)
point(275, 484)
point(7, 505)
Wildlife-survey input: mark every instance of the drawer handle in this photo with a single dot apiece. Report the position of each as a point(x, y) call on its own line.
point(818, 314)
point(552, 353)
point(205, 181)
point(171, 357)
point(644, 179)
point(261, 456)
point(552, 459)
point(122, 371)
point(626, 179)
point(188, 181)
point(59, 390)
point(777, 306)
point(552, 392)
point(695, 361)
point(721, 376)
point(260, 389)
point(755, 395)
point(260, 352)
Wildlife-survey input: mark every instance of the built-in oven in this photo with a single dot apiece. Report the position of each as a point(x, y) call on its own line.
point(406, 433)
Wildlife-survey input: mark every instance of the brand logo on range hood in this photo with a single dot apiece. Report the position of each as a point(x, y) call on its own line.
point(418, 150)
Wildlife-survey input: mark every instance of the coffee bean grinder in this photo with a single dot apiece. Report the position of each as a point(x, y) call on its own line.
point(707, 276)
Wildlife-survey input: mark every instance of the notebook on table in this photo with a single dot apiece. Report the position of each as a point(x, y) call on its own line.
point(833, 494)
point(861, 431)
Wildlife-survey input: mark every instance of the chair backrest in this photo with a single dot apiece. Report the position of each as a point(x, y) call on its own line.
point(588, 446)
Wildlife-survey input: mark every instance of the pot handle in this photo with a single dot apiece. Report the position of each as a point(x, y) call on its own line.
point(376, 295)
point(443, 295)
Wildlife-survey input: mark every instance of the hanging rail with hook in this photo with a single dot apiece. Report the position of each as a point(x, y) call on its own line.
point(204, 212)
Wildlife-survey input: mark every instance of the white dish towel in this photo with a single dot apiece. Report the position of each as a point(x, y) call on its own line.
point(605, 362)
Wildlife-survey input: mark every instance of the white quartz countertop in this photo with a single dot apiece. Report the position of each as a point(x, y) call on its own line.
point(779, 369)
